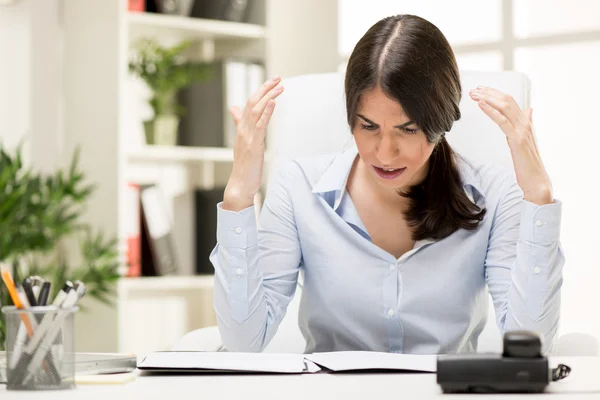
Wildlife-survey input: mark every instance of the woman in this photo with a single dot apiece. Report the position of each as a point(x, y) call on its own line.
point(397, 238)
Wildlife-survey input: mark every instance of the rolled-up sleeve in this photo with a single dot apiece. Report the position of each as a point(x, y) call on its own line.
point(256, 268)
point(524, 265)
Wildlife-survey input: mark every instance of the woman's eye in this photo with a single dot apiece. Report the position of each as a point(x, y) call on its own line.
point(368, 127)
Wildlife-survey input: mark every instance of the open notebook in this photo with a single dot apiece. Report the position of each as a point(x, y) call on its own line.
point(186, 361)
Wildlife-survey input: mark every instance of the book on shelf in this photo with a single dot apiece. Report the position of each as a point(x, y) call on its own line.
point(210, 124)
point(157, 248)
point(133, 230)
point(206, 201)
point(225, 10)
point(136, 5)
point(206, 226)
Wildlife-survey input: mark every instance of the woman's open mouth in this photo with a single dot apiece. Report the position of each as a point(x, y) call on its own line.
point(389, 173)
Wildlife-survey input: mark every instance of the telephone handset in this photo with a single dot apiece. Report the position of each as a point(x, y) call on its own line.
point(521, 368)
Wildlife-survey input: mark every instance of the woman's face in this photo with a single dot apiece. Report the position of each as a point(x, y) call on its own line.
point(386, 139)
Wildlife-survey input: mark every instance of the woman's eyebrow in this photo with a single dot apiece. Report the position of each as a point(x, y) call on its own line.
point(404, 125)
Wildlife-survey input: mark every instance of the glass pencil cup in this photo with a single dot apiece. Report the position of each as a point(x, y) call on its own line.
point(40, 348)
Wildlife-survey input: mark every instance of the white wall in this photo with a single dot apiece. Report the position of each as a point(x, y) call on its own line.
point(303, 37)
point(46, 78)
point(15, 41)
point(94, 71)
point(30, 80)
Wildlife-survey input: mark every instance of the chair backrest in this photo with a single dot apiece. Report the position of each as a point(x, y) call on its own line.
point(310, 119)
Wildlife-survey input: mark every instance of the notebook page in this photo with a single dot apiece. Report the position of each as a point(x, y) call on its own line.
point(225, 361)
point(370, 360)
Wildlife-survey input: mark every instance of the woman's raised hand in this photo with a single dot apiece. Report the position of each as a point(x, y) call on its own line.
point(249, 148)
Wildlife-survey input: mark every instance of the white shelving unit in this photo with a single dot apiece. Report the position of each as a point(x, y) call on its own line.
point(97, 114)
point(157, 154)
point(154, 312)
point(185, 301)
point(132, 285)
point(151, 313)
point(183, 154)
point(157, 25)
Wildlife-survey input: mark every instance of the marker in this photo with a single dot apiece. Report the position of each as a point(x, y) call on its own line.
point(81, 289)
point(37, 283)
point(28, 288)
point(44, 293)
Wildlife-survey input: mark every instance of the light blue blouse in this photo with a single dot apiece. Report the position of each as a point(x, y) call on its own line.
point(356, 296)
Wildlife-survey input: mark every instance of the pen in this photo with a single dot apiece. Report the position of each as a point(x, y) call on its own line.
point(28, 289)
point(72, 299)
point(81, 289)
point(44, 293)
point(36, 293)
point(21, 333)
point(36, 283)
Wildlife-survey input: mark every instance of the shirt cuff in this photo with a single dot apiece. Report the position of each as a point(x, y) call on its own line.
point(540, 224)
point(236, 229)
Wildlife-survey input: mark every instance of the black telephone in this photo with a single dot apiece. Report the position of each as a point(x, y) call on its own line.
point(521, 368)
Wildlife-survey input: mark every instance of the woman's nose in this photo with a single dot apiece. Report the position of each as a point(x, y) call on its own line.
point(387, 151)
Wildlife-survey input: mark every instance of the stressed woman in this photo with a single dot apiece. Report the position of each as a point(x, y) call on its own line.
point(397, 238)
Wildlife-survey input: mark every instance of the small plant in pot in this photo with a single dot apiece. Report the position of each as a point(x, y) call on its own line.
point(165, 70)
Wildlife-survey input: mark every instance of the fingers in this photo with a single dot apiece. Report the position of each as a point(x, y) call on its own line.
point(498, 118)
point(263, 122)
point(529, 114)
point(259, 109)
point(259, 94)
point(503, 103)
point(236, 113)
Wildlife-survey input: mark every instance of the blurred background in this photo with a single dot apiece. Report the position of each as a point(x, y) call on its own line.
point(114, 78)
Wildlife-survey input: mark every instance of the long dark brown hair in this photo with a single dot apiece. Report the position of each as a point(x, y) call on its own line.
point(412, 62)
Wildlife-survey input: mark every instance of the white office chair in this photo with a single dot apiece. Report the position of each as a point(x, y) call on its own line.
point(310, 119)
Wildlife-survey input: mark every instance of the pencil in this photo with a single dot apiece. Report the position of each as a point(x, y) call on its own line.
point(14, 295)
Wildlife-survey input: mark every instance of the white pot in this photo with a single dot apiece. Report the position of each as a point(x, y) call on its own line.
point(162, 130)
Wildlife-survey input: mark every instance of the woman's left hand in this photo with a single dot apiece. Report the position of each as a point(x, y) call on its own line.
point(517, 126)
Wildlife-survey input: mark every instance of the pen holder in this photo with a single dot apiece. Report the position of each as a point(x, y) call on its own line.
point(2, 367)
point(40, 348)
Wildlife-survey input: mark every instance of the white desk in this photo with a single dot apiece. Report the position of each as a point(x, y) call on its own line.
point(584, 379)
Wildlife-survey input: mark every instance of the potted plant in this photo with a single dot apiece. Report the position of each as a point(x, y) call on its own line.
point(165, 70)
point(38, 214)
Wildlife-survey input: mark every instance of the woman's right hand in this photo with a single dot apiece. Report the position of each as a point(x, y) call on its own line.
point(249, 147)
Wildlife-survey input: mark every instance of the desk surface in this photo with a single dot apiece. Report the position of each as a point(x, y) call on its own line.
point(584, 380)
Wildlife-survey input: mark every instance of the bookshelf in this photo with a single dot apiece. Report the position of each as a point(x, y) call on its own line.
point(158, 154)
point(143, 24)
point(154, 312)
point(102, 110)
point(184, 301)
point(131, 285)
point(98, 115)
point(182, 154)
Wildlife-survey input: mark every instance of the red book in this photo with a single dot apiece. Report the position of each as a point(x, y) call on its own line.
point(136, 5)
point(133, 231)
